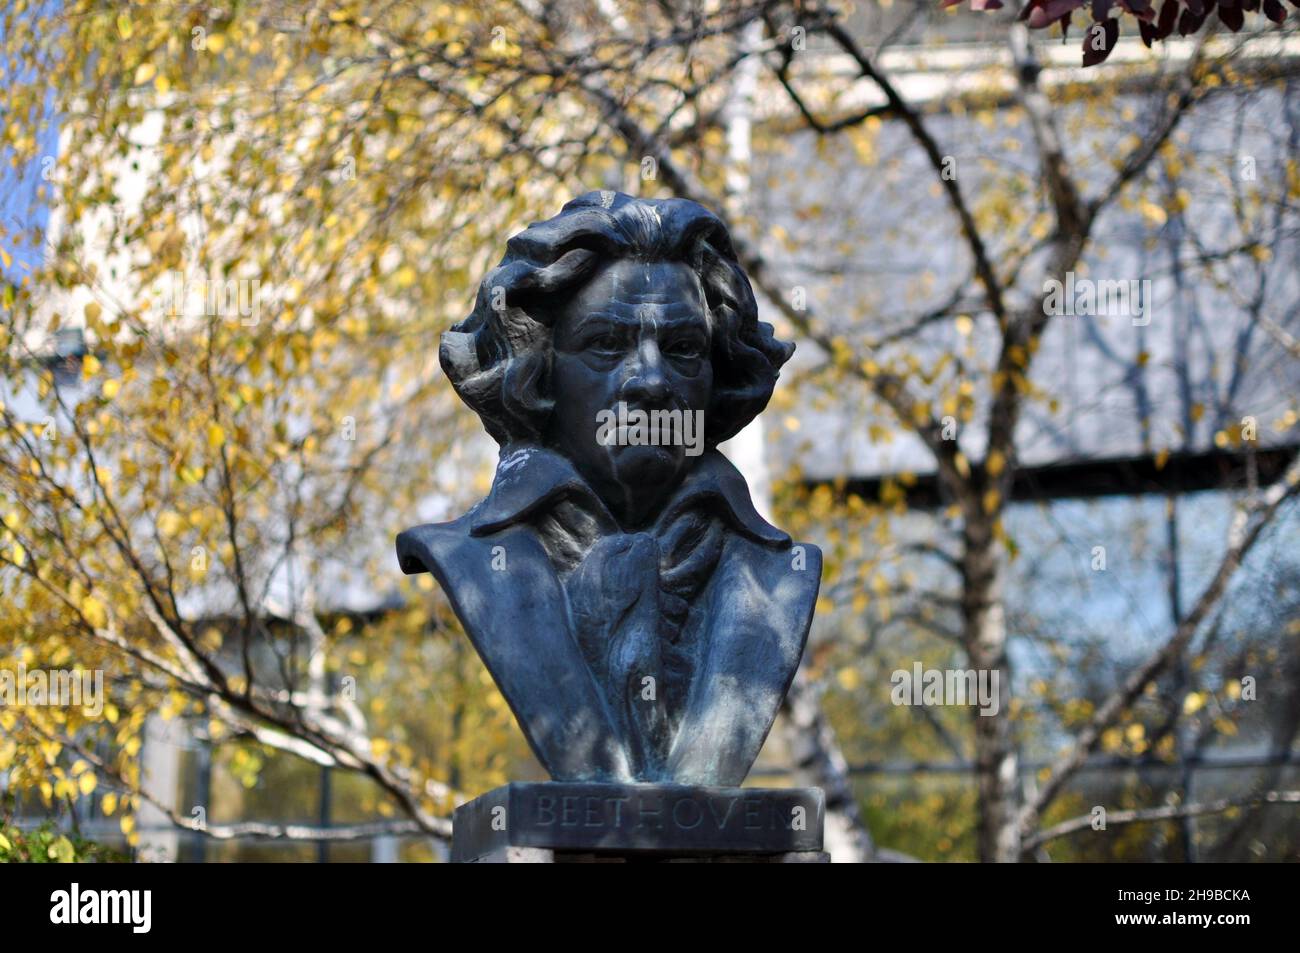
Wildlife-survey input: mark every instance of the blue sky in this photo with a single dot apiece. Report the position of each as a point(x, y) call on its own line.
point(18, 208)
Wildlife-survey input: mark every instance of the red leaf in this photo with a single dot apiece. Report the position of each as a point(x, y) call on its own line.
point(1050, 11)
point(1232, 17)
point(1099, 40)
point(1189, 22)
point(1168, 19)
point(1275, 11)
point(1148, 33)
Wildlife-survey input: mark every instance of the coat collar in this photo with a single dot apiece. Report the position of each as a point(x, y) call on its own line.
point(530, 479)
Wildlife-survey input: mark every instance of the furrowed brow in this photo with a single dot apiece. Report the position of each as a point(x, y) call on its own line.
point(668, 314)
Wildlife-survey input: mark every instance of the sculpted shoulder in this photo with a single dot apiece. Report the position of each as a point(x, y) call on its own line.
point(808, 555)
point(795, 568)
point(420, 548)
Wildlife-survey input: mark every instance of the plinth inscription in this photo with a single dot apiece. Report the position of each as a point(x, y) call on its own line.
point(622, 818)
point(685, 812)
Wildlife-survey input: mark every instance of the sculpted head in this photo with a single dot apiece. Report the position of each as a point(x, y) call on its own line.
point(617, 304)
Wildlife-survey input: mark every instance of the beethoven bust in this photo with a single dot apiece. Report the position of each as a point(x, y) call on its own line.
point(640, 617)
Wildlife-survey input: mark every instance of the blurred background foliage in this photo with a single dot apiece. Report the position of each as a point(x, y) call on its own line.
point(200, 502)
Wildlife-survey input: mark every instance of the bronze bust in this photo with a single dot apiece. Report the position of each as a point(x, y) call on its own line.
point(640, 617)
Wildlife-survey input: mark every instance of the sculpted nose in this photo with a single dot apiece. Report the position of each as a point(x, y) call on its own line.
point(646, 381)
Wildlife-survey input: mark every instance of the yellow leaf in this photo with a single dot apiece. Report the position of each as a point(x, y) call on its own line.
point(62, 851)
point(110, 388)
point(1153, 213)
point(144, 72)
point(108, 804)
point(216, 435)
point(94, 612)
point(87, 783)
point(170, 523)
point(1193, 703)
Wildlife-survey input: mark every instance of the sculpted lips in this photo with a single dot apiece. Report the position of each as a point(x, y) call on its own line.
point(625, 426)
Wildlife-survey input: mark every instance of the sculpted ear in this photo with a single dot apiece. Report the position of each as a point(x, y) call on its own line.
point(524, 390)
point(478, 387)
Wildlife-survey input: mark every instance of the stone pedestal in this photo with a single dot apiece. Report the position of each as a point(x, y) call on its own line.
point(570, 822)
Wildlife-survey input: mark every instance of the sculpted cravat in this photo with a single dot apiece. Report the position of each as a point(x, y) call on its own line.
point(630, 596)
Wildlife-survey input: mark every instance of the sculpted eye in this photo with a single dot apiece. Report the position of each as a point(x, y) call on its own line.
point(604, 343)
point(686, 349)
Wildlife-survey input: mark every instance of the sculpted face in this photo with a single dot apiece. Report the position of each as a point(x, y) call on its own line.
point(636, 333)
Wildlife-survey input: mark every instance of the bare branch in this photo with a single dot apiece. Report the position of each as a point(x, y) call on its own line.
point(1249, 524)
point(1168, 812)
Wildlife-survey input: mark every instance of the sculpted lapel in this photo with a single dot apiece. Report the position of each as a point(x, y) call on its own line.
point(760, 608)
point(518, 622)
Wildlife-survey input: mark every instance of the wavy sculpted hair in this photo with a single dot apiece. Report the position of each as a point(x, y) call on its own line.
point(499, 358)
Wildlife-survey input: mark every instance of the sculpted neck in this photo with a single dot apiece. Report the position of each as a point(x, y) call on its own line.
point(636, 505)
